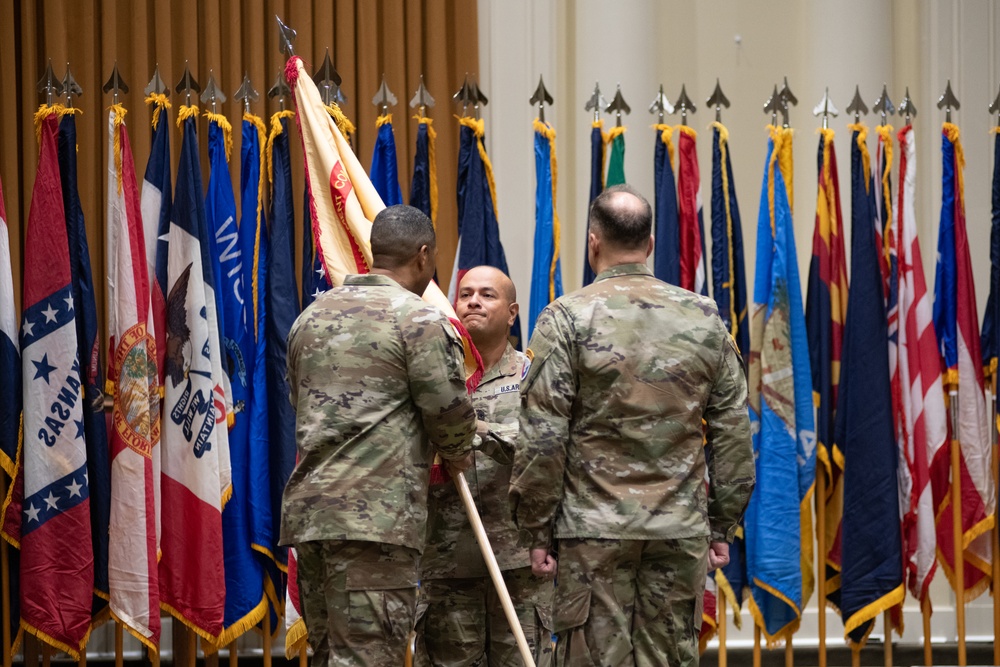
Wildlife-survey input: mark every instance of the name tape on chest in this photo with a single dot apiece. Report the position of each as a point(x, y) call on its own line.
point(508, 388)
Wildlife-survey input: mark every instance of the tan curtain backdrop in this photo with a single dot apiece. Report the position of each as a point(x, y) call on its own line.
point(402, 38)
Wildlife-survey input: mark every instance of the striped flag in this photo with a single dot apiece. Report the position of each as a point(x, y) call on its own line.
point(956, 323)
point(195, 450)
point(598, 141)
point(87, 330)
point(871, 558)
point(921, 421)
point(385, 171)
point(135, 416)
point(692, 225)
point(546, 271)
point(826, 310)
point(281, 309)
point(296, 635)
point(56, 550)
point(667, 234)
point(730, 290)
point(479, 228)
point(781, 415)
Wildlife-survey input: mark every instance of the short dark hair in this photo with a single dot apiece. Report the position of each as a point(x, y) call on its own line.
point(398, 233)
point(621, 220)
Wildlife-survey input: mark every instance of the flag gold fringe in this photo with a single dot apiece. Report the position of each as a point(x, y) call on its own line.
point(734, 325)
point(384, 119)
point(872, 611)
point(227, 130)
point(237, 629)
point(666, 136)
point(180, 618)
point(12, 472)
point(549, 133)
point(119, 111)
point(276, 129)
point(613, 133)
point(186, 112)
point(145, 641)
point(52, 641)
point(44, 111)
point(255, 286)
point(159, 102)
point(727, 587)
point(866, 160)
point(432, 164)
point(885, 133)
point(342, 122)
point(785, 633)
point(295, 638)
point(713, 628)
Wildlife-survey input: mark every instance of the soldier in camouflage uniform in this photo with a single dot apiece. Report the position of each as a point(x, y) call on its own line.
point(462, 623)
point(610, 466)
point(378, 383)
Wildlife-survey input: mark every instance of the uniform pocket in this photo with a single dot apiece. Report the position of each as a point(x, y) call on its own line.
point(381, 600)
point(571, 610)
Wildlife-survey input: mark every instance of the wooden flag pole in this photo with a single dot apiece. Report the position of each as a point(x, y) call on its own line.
point(789, 652)
point(119, 644)
point(5, 584)
point(855, 656)
point(491, 564)
point(925, 611)
point(821, 559)
point(411, 649)
point(956, 527)
point(234, 654)
point(721, 614)
point(303, 656)
point(267, 639)
point(46, 654)
point(756, 645)
point(887, 646)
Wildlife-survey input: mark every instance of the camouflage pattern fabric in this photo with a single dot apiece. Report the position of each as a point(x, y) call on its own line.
point(358, 601)
point(629, 602)
point(611, 441)
point(452, 550)
point(376, 377)
point(461, 621)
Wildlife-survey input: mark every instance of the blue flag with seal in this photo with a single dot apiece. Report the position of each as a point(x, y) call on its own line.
point(385, 171)
point(781, 415)
point(871, 577)
point(667, 232)
point(282, 307)
point(546, 270)
point(87, 330)
point(245, 604)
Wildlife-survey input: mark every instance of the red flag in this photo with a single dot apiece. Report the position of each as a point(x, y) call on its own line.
point(693, 271)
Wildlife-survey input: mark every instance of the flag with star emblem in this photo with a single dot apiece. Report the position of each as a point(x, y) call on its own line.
point(196, 477)
point(135, 417)
point(56, 550)
point(87, 330)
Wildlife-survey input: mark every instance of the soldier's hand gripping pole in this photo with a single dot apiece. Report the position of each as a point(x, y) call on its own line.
point(491, 564)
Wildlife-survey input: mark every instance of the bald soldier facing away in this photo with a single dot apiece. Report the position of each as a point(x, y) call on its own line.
point(463, 624)
point(377, 381)
point(611, 463)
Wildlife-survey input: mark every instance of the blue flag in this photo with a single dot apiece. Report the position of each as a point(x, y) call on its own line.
point(423, 187)
point(596, 188)
point(546, 271)
point(991, 318)
point(871, 577)
point(478, 228)
point(781, 415)
point(314, 280)
point(244, 573)
point(667, 232)
point(87, 329)
point(282, 307)
point(384, 171)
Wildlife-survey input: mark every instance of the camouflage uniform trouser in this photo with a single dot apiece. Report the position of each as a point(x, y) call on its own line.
point(358, 601)
point(462, 624)
point(629, 602)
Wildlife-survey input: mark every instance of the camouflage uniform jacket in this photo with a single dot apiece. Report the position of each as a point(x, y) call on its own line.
point(452, 550)
point(376, 378)
point(611, 442)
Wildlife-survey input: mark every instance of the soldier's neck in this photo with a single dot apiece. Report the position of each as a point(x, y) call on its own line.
point(491, 351)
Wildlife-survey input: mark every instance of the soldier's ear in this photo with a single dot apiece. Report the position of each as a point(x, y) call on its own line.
point(512, 310)
point(652, 244)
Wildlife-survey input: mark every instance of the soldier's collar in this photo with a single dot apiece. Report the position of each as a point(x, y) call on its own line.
point(509, 364)
point(369, 279)
point(632, 269)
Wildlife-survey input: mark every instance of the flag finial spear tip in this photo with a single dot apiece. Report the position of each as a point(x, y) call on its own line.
point(156, 84)
point(994, 107)
point(718, 100)
point(384, 97)
point(906, 107)
point(661, 105)
point(857, 105)
point(948, 101)
point(115, 83)
point(286, 38)
point(422, 98)
point(883, 105)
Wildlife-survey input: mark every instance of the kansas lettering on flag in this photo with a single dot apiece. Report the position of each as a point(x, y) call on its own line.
point(135, 416)
point(826, 310)
point(56, 550)
point(598, 141)
point(546, 271)
point(196, 470)
point(956, 323)
point(385, 171)
point(921, 420)
point(87, 330)
point(781, 415)
point(667, 234)
point(871, 560)
point(281, 309)
point(692, 225)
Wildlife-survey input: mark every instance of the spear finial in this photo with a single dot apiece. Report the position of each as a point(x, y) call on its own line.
point(540, 98)
point(596, 103)
point(477, 97)
point(718, 100)
point(463, 95)
point(115, 84)
point(421, 99)
point(684, 105)
point(213, 95)
point(280, 90)
point(286, 38)
point(384, 98)
point(948, 101)
point(786, 97)
point(618, 106)
point(883, 105)
point(187, 85)
point(826, 109)
point(773, 105)
point(328, 81)
point(247, 93)
point(661, 105)
point(70, 87)
point(906, 107)
point(857, 105)
point(994, 108)
point(49, 84)
point(156, 84)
